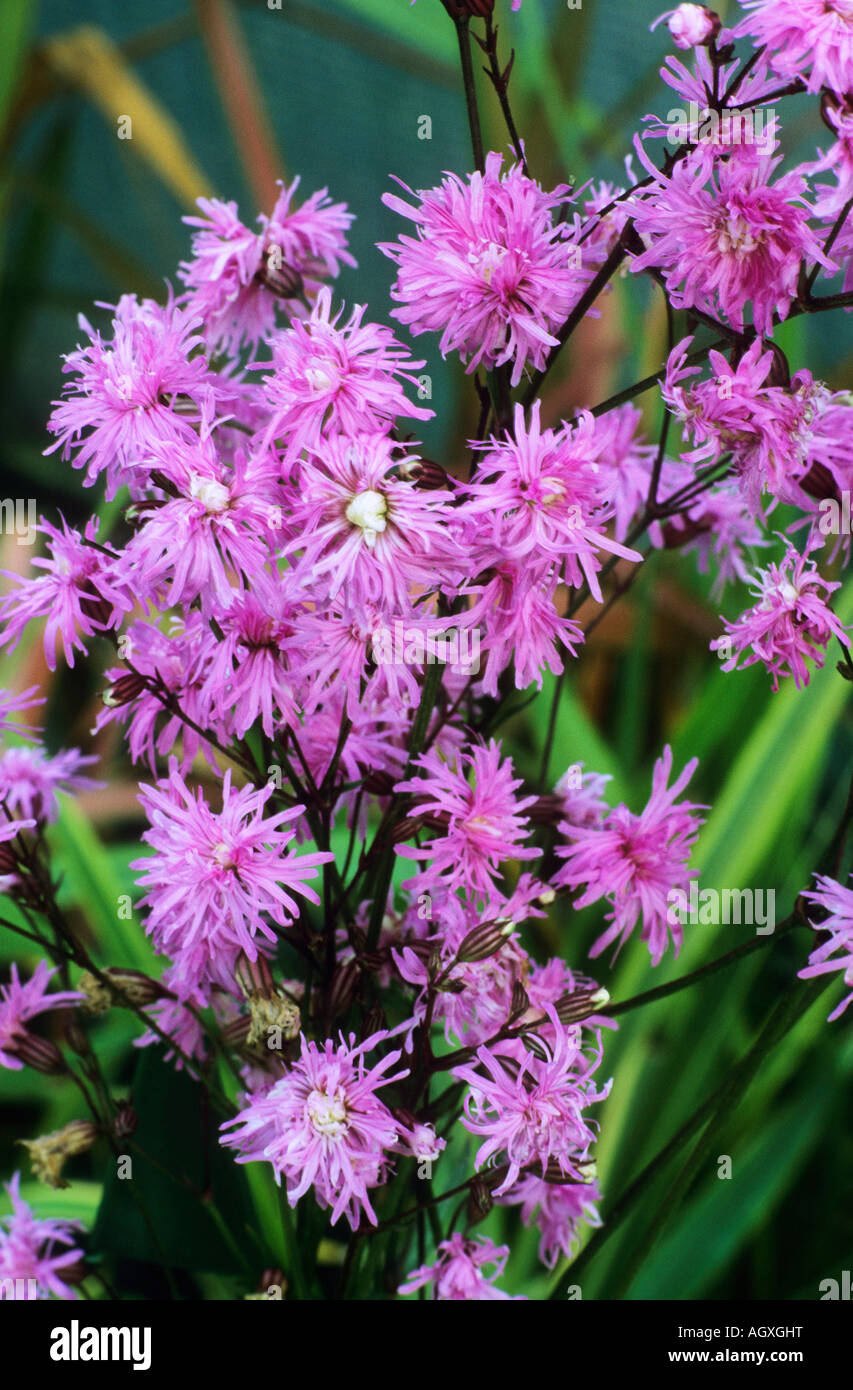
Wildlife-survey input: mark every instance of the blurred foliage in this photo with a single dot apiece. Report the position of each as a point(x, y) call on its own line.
point(84, 217)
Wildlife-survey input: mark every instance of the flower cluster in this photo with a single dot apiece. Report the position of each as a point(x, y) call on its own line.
point(349, 863)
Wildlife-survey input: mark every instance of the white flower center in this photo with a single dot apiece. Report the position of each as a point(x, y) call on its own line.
point(321, 377)
point(486, 261)
point(368, 510)
point(328, 1114)
point(213, 496)
point(221, 855)
point(735, 234)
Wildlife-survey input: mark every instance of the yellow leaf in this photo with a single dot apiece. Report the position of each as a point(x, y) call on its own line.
point(87, 59)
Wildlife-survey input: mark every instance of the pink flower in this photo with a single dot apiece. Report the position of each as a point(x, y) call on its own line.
point(490, 269)
point(178, 662)
point(30, 779)
point(21, 1002)
point(541, 491)
point(636, 861)
point(775, 434)
point(836, 953)
point(530, 1113)
point(323, 1125)
point(248, 676)
point(459, 1271)
point(124, 396)
point(362, 526)
point(36, 1250)
point(557, 1208)
point(474, 804)
point(517, 612)
point(336, 380)
point(810, 39)
point(216, 520)
point(723, 235)
point(237, 277)
point(216, 875)
point(74, 594)
point(790, 624)
point(12, 703)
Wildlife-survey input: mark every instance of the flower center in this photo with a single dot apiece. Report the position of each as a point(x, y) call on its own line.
point(328, 1114)
point(487, 260)
point(321, 377)
point(213, 496)
point(222, 855)
point(368, 510)
point(735, 235)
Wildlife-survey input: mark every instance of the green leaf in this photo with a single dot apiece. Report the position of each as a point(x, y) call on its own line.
point(716, 1226)
point(92, 885)
point(18, 21)
point(153, 1215)
point(79, 1202)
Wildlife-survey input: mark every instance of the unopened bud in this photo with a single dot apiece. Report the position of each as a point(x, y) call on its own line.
point(96, 607)
point(580, 1004)
point(125, 1121)
point(98, 995)
point(480, 1201)
point(254, 976)
point(374, 1021)
point(343, 987)
point(39, 1053)
point(485, 940)
point(426, 474)
point(379, 783)
point(122, 691)
point(693, 26)
point(134, 987)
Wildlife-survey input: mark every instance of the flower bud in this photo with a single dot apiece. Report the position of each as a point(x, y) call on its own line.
point(374, 1021)
point(96, 607)
point(379, 783)
point(485, 940)
point(480, 1201)
point(125, 689)
point(580, 1004)
point(134, 987)
point(343, 987)
point(98, 995)
point(426, 474)
point(39, 1053)
point(692, 25)
point(125, 1122)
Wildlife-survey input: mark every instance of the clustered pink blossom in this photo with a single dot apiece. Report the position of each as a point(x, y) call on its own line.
point(289, 570)
point(36, 1252)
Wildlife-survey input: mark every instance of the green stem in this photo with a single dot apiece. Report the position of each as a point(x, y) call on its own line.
point(684, 981)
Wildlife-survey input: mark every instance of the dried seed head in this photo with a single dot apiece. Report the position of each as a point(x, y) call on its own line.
point(49, 1153)
point(275, 1012)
